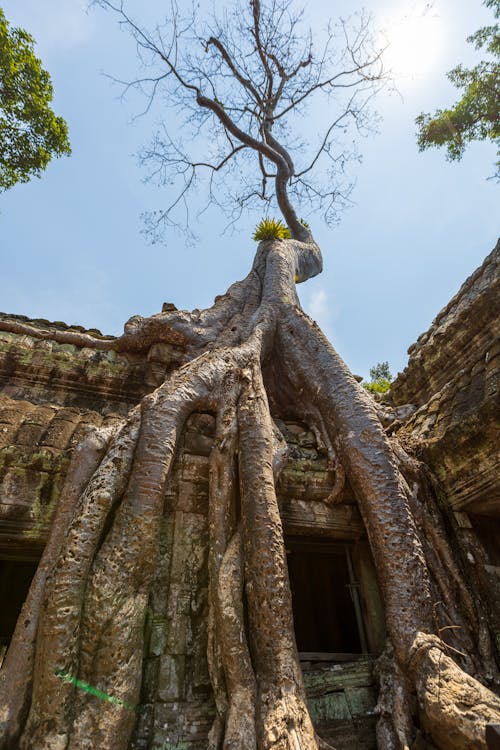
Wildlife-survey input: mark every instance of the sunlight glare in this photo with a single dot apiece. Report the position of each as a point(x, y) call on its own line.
point(415, 41)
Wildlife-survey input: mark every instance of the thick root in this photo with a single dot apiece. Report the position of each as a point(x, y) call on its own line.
point(17, 669)
point(240, 678)
point(395, 729)
point(58, 636)
point(283, 719)
point(454, 707)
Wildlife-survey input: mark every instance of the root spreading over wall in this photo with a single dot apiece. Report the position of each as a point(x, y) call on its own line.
point(86, 608)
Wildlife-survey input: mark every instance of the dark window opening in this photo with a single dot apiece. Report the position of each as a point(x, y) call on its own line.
point(325, 602)
point(487, 529)
point(15, 580)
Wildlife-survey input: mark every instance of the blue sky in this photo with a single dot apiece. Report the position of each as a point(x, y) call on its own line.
point(71, 246)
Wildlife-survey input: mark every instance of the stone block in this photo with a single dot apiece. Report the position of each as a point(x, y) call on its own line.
point(198, 444)
point(140, 740)
point(189, 543)
point(307, 440)
point(162, 572)
point(59, 432)
point(180, 599)
point(329, 707)
point(154, 374)
point(194, 468)
point(191, 497)
point(338, 677)
point(177, 634)
point(158, 638)
point(165, 353)
point(30, 433)
point(150, 682)
point(197, 673)
point(171, 678)
point(201, 423)
point(361, 700)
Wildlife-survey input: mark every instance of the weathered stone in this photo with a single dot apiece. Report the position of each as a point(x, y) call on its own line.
point(198, 444)
point(194, 468)
point(51, 393)
point(453, 376)
point(201, 423)
point(158, 637)
point(171, 678)
point(43, 371)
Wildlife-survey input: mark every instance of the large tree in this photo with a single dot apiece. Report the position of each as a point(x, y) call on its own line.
point(476, 115)
point(253, 354)
point(30, 133)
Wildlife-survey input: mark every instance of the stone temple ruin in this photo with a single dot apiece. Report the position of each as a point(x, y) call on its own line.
point(51, 392)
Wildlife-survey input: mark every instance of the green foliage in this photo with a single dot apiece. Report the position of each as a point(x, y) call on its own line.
point(381, 378)
point(476, 116)
point(30, 132)
point(271, 229)
point(378, 386)
point(381, 371)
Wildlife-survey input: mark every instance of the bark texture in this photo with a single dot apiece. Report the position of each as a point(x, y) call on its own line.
point(86, 610)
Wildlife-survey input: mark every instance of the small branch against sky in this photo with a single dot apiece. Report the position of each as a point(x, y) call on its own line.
point(239, 86)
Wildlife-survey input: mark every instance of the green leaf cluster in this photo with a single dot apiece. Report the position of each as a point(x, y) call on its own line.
point(271, 229)
point(381, 378)
point(476, 116)
point(30, 133)
point(378, 386)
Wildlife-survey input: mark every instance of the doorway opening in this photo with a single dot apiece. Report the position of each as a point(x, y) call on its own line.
point(15, 580)
point(325, 601)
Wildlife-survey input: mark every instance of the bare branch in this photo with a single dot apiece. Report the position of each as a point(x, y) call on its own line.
point(234, 70)
point(237, 83)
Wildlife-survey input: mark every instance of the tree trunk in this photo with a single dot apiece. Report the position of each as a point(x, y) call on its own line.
point(84, 616)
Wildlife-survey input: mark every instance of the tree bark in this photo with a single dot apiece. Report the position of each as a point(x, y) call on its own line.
point(86, 609)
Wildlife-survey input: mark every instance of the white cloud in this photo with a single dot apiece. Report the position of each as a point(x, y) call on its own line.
point(317, 305)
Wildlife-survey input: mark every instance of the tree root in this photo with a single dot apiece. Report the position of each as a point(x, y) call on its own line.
point(16, 673)
point(283, 717)
point(58, 635)
point(395, 728)
point(454, 707)
point(238, 669)
point(459, 618)
point(87, 604)
point(388, 511)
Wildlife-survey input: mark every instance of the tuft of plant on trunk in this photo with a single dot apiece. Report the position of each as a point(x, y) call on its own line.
point(271, 229)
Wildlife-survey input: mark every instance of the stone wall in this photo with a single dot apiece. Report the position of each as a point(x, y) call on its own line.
point(50, 393)
point(453, 378)
point(460, 337)
point(177, 700)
